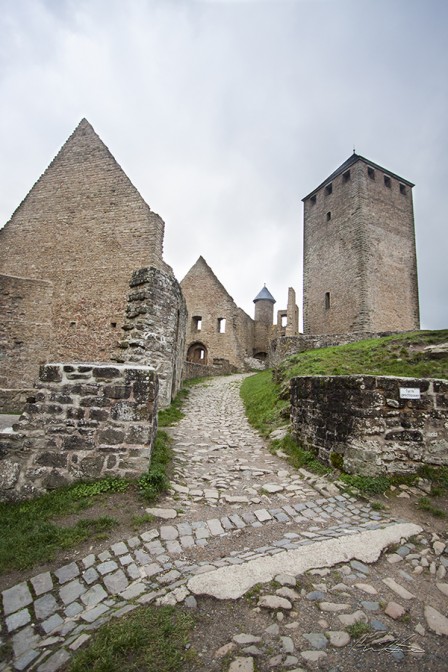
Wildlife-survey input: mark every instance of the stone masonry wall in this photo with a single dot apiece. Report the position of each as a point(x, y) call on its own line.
point(363, 422)
point(85, 228)
point(25, 334)
point(154, 330)
point(84, 421)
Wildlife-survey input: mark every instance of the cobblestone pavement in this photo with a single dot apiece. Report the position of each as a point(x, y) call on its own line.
point(235, 505)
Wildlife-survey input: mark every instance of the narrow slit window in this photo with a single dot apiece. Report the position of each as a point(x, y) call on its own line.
point(197, 323)
point(221, 325)
point(371, 173)
point(327, 300)
point(329, 189)
point(328, 216)
point(387, 181)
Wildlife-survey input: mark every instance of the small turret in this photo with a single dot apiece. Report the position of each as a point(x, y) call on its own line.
point(264, 318)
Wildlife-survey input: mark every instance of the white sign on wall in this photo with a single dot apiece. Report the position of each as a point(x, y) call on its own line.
point(409, 393)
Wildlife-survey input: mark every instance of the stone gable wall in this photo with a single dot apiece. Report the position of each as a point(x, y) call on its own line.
point(84, 421)
point(84, 228)
point(359, 245)
point(363, 422)
point(206, 297)
point(154, 330)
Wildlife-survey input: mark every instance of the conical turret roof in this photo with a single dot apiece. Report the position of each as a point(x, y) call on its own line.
point(264, 295)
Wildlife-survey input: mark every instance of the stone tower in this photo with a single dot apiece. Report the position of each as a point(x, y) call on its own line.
point(264, 318)
point(360, 269)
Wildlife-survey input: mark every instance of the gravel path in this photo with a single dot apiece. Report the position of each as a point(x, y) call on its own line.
point(238, 513)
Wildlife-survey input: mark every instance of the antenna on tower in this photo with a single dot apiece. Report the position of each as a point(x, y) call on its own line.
point(354, 149)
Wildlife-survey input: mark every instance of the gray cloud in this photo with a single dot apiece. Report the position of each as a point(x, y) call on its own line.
point(225, 114)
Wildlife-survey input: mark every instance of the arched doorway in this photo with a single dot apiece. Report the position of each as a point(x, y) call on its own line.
point(197, 353)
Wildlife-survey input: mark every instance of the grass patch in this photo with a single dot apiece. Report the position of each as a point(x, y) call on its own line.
point(264, 408)
point(367, 485)
point(398, 355)
point(29, 537)
point(425, 504)
point(141, 519)
point(299, 457)
point(151, 639)
point(156, 481)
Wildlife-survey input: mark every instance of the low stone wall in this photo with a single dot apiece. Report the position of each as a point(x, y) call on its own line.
point(193, 370)
point(83, 421)
point(363, 424)
point(282, 347)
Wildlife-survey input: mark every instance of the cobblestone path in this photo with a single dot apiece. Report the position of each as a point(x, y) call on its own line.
point(239, 516)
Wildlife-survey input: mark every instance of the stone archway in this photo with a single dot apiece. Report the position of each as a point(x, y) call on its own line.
point(197, 353)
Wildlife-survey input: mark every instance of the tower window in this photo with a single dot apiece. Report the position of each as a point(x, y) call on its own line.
point(346, 176)
point(387, 182)
point(402, 189)
point(370, 173)
point(327, 300)
point(328, 216)
point(197, 322)
point(221, 325)
point(329, 189)
point(313, 199)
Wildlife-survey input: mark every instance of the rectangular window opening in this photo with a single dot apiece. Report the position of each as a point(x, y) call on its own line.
point(221, 325)
point(284, 319)
point(370, 173)
point(402, 189)
point(387, 181)
point(329, 189)
point(328, 216)
point(327, 300)
point(346, 176)
point(197, 322)
point(313, 199)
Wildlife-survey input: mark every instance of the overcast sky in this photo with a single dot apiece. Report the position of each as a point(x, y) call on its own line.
point(226, 113)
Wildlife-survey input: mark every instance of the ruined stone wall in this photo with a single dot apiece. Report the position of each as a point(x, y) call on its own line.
point(155, 327)
point(207, 299)
point(363, 423)
point(25, 334)
point(360, 269)
point(84, 421)
point(193, 370)
point(84, 228)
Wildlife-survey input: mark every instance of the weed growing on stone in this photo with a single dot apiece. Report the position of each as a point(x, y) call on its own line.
point(156, 481)
point(367, 485)
point(151, 639)
point(358, 629)
point(140, 520)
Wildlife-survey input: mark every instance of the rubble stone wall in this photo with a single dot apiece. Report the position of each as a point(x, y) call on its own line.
point(364, 424)
point(154, 329)
point(84, 421)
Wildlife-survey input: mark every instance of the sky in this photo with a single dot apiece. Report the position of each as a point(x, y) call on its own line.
point(226, 113)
